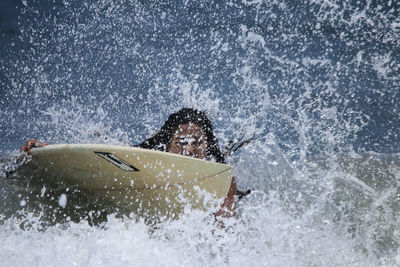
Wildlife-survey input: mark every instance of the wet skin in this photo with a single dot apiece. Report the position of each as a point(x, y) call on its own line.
point(189, 140)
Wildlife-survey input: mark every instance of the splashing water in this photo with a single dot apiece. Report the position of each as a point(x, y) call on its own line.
point(316, 82)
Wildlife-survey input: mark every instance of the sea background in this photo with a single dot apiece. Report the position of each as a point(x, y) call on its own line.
point(316, 83)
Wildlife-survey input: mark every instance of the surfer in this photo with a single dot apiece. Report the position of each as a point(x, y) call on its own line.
point(189, 132)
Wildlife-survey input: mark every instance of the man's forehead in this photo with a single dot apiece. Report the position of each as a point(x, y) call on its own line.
point(188, 125)
point(187, 136)
point(188, 128)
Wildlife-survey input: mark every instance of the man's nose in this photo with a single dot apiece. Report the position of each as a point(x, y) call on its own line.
point(189, 150)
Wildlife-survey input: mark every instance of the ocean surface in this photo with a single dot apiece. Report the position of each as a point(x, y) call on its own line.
point(316, 83)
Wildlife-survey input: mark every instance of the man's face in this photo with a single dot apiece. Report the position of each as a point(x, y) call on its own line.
point(189, 140)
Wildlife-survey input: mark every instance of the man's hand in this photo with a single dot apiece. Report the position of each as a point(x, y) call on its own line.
point(31, 143)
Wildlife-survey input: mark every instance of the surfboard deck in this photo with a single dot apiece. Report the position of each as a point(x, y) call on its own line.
point(146, 182)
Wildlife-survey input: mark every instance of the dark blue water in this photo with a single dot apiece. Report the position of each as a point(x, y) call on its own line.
point(313, 56)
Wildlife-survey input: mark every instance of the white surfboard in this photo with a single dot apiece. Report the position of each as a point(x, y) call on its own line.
point(146, 182)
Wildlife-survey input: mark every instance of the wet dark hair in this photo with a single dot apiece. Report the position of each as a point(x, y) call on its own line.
point(161, 140)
